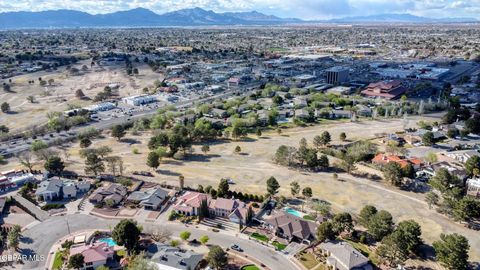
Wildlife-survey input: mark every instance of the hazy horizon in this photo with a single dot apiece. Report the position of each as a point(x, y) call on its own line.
point(303, 9)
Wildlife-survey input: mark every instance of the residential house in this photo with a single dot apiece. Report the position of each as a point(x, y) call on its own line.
point(462, 155)
point(189, 203)
point(49, 190)
point(221, 207)
point(151, 199)
point(114, 193)
point(54, 188)
point(172, 258)
point(383, 159)
point(233, 209)
point(291, 227)
point(452, 168)
point(342, 256)
point(473, 187)
point(417, 136)
point(94, 255)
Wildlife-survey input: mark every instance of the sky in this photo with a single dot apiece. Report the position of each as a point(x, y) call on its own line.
point(303, 9)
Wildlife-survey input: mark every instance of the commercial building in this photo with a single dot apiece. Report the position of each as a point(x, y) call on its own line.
point(139, 100)
point(337, 75)
point(385, 89)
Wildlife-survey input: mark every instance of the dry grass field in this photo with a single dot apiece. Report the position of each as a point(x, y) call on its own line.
point(253, 166)
point(60, 95)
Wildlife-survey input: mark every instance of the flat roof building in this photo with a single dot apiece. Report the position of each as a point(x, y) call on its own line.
point(337, 75)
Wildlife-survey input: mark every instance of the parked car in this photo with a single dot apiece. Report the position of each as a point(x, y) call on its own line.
point(237, 248)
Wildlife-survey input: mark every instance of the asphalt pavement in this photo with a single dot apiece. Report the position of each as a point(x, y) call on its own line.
point(38, 239)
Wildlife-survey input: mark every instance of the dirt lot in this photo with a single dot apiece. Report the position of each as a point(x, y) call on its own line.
point(61, 94)
point(253, 166)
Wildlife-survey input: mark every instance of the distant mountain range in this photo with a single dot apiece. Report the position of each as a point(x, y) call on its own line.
point(141, 17)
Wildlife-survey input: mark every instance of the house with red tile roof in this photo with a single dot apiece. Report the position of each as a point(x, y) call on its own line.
point(385, 89)
point(94, 255)
point(383, 159)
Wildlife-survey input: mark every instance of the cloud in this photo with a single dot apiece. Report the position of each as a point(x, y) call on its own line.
point(308, 9)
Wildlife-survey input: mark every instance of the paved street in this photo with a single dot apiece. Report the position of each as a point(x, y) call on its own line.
point(41, 237)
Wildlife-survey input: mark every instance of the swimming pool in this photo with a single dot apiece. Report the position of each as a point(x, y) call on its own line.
point(109, 241)
point(293, 212)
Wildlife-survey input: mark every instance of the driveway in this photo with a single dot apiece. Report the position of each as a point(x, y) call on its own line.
point(40, 238)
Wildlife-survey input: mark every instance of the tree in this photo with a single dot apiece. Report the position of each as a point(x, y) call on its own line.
point(321, 207)
point(380, 225)
point(85, 142)
point(4, 129)
point(408, 171)
point(153, 160)
point(444, 181)
point(343, 136)
point(250, 214)
point(205, 149)
point(431, 157)
point(118, 132)
point(473, 124)
point(223, 188)
point(5, 107)
point(31, 99)
point(472, 164)
point(217, 258)
point(76, 261)
point(126, 233)
point(139, 262)
point(325, 138)
point(54, 165)
point(410, 234)
point(294, 188)
point(432, 199)
point(181, 182)
point(238, 149)
point(366, 214)
point(452, 251)
point(325, 232)
point(393, 249)
point(392, 172)
point(428, 138)
point(307, 192)
point(258, 132)
point(26, 159)
point(284, 155)
point(204, 239)
point(13, 238)
point(185, 235)
point(203, 210)
point(79, 94)
point(466, 209)
point(272, 186)
point(94, 164)
point(342, 222)
point(161, 234)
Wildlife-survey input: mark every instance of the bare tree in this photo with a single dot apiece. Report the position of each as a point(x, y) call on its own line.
point(161, 234)
point(26, 159)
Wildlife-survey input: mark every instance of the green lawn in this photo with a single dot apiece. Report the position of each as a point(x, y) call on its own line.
point(260, 237)
point(308, 260)
point(250, 267)
point(58, 260)
point(278, 245)
point(309, 217)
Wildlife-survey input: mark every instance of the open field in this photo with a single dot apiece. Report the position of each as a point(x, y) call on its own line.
point(60, 95)
point(253, 166)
